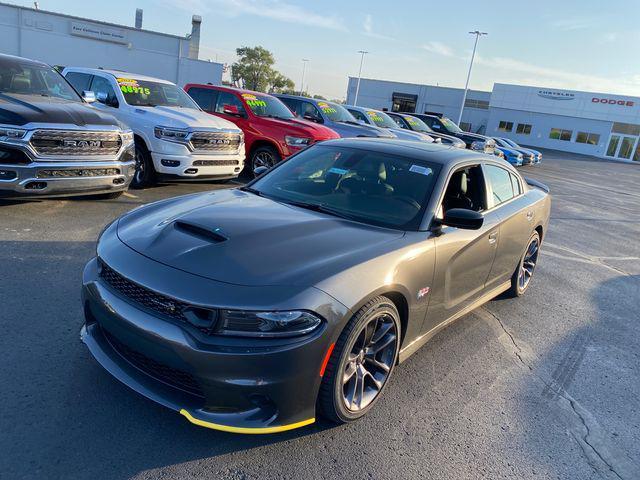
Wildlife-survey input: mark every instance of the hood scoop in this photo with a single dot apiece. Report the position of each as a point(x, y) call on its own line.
point(200, 231)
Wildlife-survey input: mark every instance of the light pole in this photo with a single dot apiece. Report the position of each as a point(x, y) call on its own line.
point(304, 67)
point(477, 33)
point(362, 53)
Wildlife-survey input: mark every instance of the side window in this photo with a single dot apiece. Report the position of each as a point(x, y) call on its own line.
point(79, 81)
point(517, 187)
point(466, 189)
point(204, 97)
point(291, 105)
point(228, 99)
point(359, 115)
point(501, 186)
point(431, 122)
point(103, 89)
point(310, 112)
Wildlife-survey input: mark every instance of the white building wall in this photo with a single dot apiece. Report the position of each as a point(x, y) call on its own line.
point(47, 37)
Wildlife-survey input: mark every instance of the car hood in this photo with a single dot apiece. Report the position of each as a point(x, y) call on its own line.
point(240, 238)
point(296, 126)
point(347, 130)
point(403, 134)
point(480, 138)
point(24, 109)
point(177, 117)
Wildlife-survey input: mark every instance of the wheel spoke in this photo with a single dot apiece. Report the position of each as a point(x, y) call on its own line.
point(383, 343)
point(349, 372)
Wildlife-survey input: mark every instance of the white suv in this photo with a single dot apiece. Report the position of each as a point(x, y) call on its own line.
point(173, 136)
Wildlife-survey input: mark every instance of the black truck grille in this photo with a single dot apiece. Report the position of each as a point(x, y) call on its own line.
point(215, 163)
point(169, 375)
point(78, 172)
point(75, 143)
point(215, 141)
point(143, 296)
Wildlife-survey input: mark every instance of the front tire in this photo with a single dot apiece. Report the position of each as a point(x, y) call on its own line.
point(362, 362)
point(145, 173)
point(521, 278)
point(265, 156)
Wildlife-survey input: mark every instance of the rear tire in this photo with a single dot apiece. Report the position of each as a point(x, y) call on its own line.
point(362, 362)
point(145, 173)
point(521, 278)
point(265, 156)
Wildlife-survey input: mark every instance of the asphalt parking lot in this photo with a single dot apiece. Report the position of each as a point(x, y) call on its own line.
point(546, 386)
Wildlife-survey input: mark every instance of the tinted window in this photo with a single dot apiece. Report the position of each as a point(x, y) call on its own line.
point(500, 181)
point(309, 110)
point(226, 98)
point(205, 97)
point(367, 186)
point(101, 85)
point(292, 104)
point(517, 188)
point(266, 106)
point(358, 115)
point(79, 81)
point(29, 78)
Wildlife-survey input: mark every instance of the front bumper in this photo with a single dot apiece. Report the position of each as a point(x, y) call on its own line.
point(199, 166)
point(224, 383)
point(57, 178)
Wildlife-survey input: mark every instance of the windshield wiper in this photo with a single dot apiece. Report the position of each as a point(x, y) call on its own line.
point(350, 122)
point(251, 190)
point(146, 105)
point(276, 116)
point(318, 207)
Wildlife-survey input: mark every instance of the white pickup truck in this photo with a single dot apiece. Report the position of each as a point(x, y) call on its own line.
point(173, 136)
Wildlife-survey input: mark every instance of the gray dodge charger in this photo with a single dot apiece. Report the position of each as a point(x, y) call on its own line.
point(256, 309)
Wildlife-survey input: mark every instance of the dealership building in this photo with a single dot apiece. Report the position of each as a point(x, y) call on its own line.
point(598, 124)
point(64, 40)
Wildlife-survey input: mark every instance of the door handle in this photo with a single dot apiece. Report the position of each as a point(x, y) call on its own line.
point(529, 215)
point(493, 237)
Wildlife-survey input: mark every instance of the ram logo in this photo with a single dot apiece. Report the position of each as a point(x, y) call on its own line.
point(220, 141)
point(82, 143)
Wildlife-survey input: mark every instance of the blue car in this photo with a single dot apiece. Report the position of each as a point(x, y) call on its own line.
point(377, 118)
point(514, 157)
point(332, 115)
point(529, 155)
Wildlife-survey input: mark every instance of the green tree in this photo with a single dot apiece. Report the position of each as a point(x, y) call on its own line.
point(254, 71)
point(319, 97)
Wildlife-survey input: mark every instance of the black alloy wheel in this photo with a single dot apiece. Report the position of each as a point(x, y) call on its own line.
point(362, 362)
point(145, 172)
point(521, 278)
point(264, 157)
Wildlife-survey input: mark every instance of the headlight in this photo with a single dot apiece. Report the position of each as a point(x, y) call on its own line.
point(7, 133)
point(297, 141)
point(171, 134)
point(519, 156)
point(478, 145)
point(267, 324)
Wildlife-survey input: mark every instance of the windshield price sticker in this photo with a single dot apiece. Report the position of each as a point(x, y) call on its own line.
point(421, 170)
point(130, 85)
point(375, 117)
point(326, 108)
point(253, 101)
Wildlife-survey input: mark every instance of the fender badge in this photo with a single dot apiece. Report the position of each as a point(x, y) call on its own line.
point(423, 292)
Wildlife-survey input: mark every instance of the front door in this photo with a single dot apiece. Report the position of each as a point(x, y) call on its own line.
point(625, 147)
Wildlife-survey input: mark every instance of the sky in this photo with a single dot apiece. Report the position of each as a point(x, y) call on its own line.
point(576, 44)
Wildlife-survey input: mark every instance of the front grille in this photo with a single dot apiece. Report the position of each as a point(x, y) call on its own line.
point(215, 163)
point(78, 172)
point(215, 141)
point(166, 374)
point(75, 143)
point(143, 296)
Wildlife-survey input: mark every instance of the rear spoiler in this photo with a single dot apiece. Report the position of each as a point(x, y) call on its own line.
point(537, 184)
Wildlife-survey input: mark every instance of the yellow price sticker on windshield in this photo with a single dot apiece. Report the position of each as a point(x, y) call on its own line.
point(127, 82)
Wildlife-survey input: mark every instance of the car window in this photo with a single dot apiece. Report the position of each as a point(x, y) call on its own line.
point(226, 98)
point(466, 189)
point(309, 110)
point(80, 81)
point(292, 103)
point(370, 187)
point(18, 77)
point(517, 187)
point(205, 97)
point(149, 93)
point(100, 85)
point(501, 186)
point(359, 115)
point(399, 121)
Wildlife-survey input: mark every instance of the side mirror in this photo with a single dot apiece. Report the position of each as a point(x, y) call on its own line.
point(463, 218)
point(102, 97)
point(88, 96)
point(261, 170)
point(231, 110)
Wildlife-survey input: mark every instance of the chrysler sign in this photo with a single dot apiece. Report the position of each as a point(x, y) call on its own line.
point(556, 95)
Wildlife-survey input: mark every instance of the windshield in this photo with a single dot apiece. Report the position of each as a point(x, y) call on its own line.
point(336, 113)
point(143, 93)
point(510, 142)
point(502, 142)
point(370, 187)
point(417, 125)
point(22, 78)
point(267, 106)
point(450, 126)
point(381, 119)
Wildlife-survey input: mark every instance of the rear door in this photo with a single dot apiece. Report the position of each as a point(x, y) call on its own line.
point(205, 97)
point(507, 200)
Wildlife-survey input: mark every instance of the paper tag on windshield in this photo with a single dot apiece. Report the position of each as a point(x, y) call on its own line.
point(421, 170)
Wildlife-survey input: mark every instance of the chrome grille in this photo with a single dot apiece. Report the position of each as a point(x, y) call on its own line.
point(77, 172)
point(215, 141)
point(75, 143)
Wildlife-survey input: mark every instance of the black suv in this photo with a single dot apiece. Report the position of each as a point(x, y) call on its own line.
point(52, 142)
point(474, 141)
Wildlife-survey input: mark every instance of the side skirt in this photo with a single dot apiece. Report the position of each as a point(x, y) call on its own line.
point(414, 346)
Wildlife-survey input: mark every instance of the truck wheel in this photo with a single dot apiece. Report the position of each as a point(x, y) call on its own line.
point(145, 174)
point(264, 157)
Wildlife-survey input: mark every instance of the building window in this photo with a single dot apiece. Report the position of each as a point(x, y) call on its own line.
point(560, 134)
point(523, 129)
point(505, 126)
point(481, 104)
point(466, 126)
point(403, 102)
point(590, 138)
point(626, 129)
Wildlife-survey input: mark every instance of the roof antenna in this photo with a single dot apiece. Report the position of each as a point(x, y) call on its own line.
point(36, 6)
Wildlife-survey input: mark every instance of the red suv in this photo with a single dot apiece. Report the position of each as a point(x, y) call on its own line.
point(271, 131)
